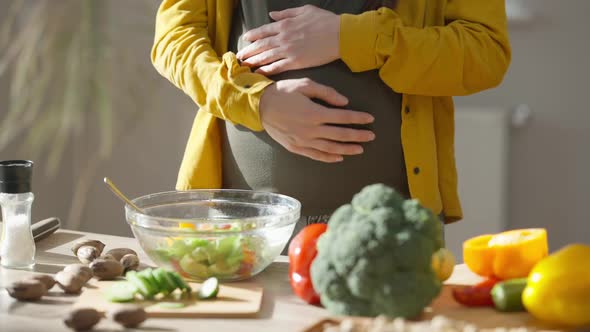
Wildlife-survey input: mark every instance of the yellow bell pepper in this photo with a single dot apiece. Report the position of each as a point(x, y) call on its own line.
point(187, 225)
point(506, 255)
point(558, 288)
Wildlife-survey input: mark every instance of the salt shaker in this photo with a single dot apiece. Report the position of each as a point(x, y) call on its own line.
point(17, 247)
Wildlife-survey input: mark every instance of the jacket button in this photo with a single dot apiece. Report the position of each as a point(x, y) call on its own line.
point(416, 170)
point(407, 110)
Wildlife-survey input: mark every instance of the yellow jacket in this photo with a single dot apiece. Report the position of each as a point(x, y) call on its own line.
point(428, 50)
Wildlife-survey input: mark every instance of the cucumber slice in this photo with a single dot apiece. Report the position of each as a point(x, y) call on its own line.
point(171, 305)
point(147, 275)
point(222, 269)
point(200, 254)
point(209, 289)
point(162, 254)
point(180, 283)
point(142, 286)
point(194, 243)
point(225, 246)
point(122, 291)
point(194, 268)
point(235, 259)
point(178, 249)
point(166, 286)
point(170, 279)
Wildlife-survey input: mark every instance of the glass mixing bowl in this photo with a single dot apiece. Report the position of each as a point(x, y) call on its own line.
point(228, 234)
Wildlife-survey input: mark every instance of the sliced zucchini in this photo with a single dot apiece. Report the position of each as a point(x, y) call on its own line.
point(180, 283)
point(142, 285)
point(122, 291)
point(166, 285)
point(208, 289)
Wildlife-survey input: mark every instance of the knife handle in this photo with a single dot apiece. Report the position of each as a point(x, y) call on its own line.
point(44, 228)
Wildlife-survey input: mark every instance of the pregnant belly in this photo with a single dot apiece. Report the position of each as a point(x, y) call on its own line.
point(253, 160)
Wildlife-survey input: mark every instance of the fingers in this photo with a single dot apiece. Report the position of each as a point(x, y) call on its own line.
point(287, 13)
point(267, 30)
point(312, 89)
point(315, 154)
point(328, 94)
point(278, 67)
point(255, 48)
point(339, 116)
point(302, 148)
point(264, 58)
point(344, 134)
point(326, 151)
point(274, 28)
point(336, 147)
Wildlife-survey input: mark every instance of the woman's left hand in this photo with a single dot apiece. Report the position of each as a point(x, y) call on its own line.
point(300, 37)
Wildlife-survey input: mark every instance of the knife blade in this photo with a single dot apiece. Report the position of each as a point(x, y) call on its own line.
point(44, 228)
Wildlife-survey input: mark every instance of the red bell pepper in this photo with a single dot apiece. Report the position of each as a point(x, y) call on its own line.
point(479, 295)
point(302, 252)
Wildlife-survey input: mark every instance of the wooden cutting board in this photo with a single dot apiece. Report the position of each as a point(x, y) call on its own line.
point(233, 300)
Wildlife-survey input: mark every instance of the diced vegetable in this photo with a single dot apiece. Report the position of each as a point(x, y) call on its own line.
point(121, 292)
point(225, 246)
point(507, 295)
point(200, 254)
point(194, 243)
point(223, 269)
point(209, 289)
point(178, 249)
point(193, 267)
point(476, 296)
point(222, 257)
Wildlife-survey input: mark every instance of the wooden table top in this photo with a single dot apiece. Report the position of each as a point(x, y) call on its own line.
point(281, 310)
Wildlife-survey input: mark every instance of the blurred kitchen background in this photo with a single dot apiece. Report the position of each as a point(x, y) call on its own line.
point(78, 95)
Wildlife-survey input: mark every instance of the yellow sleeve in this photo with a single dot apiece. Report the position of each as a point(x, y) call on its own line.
point(469, 54)
point(182, 52)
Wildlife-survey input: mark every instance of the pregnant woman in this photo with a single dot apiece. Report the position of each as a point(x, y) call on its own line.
point(318, 98)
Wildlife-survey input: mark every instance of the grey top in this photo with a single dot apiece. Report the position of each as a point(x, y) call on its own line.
point(253, 160)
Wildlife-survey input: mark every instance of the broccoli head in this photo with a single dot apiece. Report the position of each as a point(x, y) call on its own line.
point(375, 257)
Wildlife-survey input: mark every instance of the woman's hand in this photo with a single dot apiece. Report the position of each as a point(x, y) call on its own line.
point(292, 119)
point(301, 37)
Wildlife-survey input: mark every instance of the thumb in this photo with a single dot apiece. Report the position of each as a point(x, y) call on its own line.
point(287, 13)
point(328, 94)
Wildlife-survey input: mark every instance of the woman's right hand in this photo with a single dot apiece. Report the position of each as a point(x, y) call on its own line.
point(303, 127)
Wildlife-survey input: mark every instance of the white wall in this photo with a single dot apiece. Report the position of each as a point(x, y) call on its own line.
point(145, 161)
point(550, 159)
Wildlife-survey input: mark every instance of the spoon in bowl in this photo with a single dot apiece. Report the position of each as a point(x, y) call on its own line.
point(121, 196)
